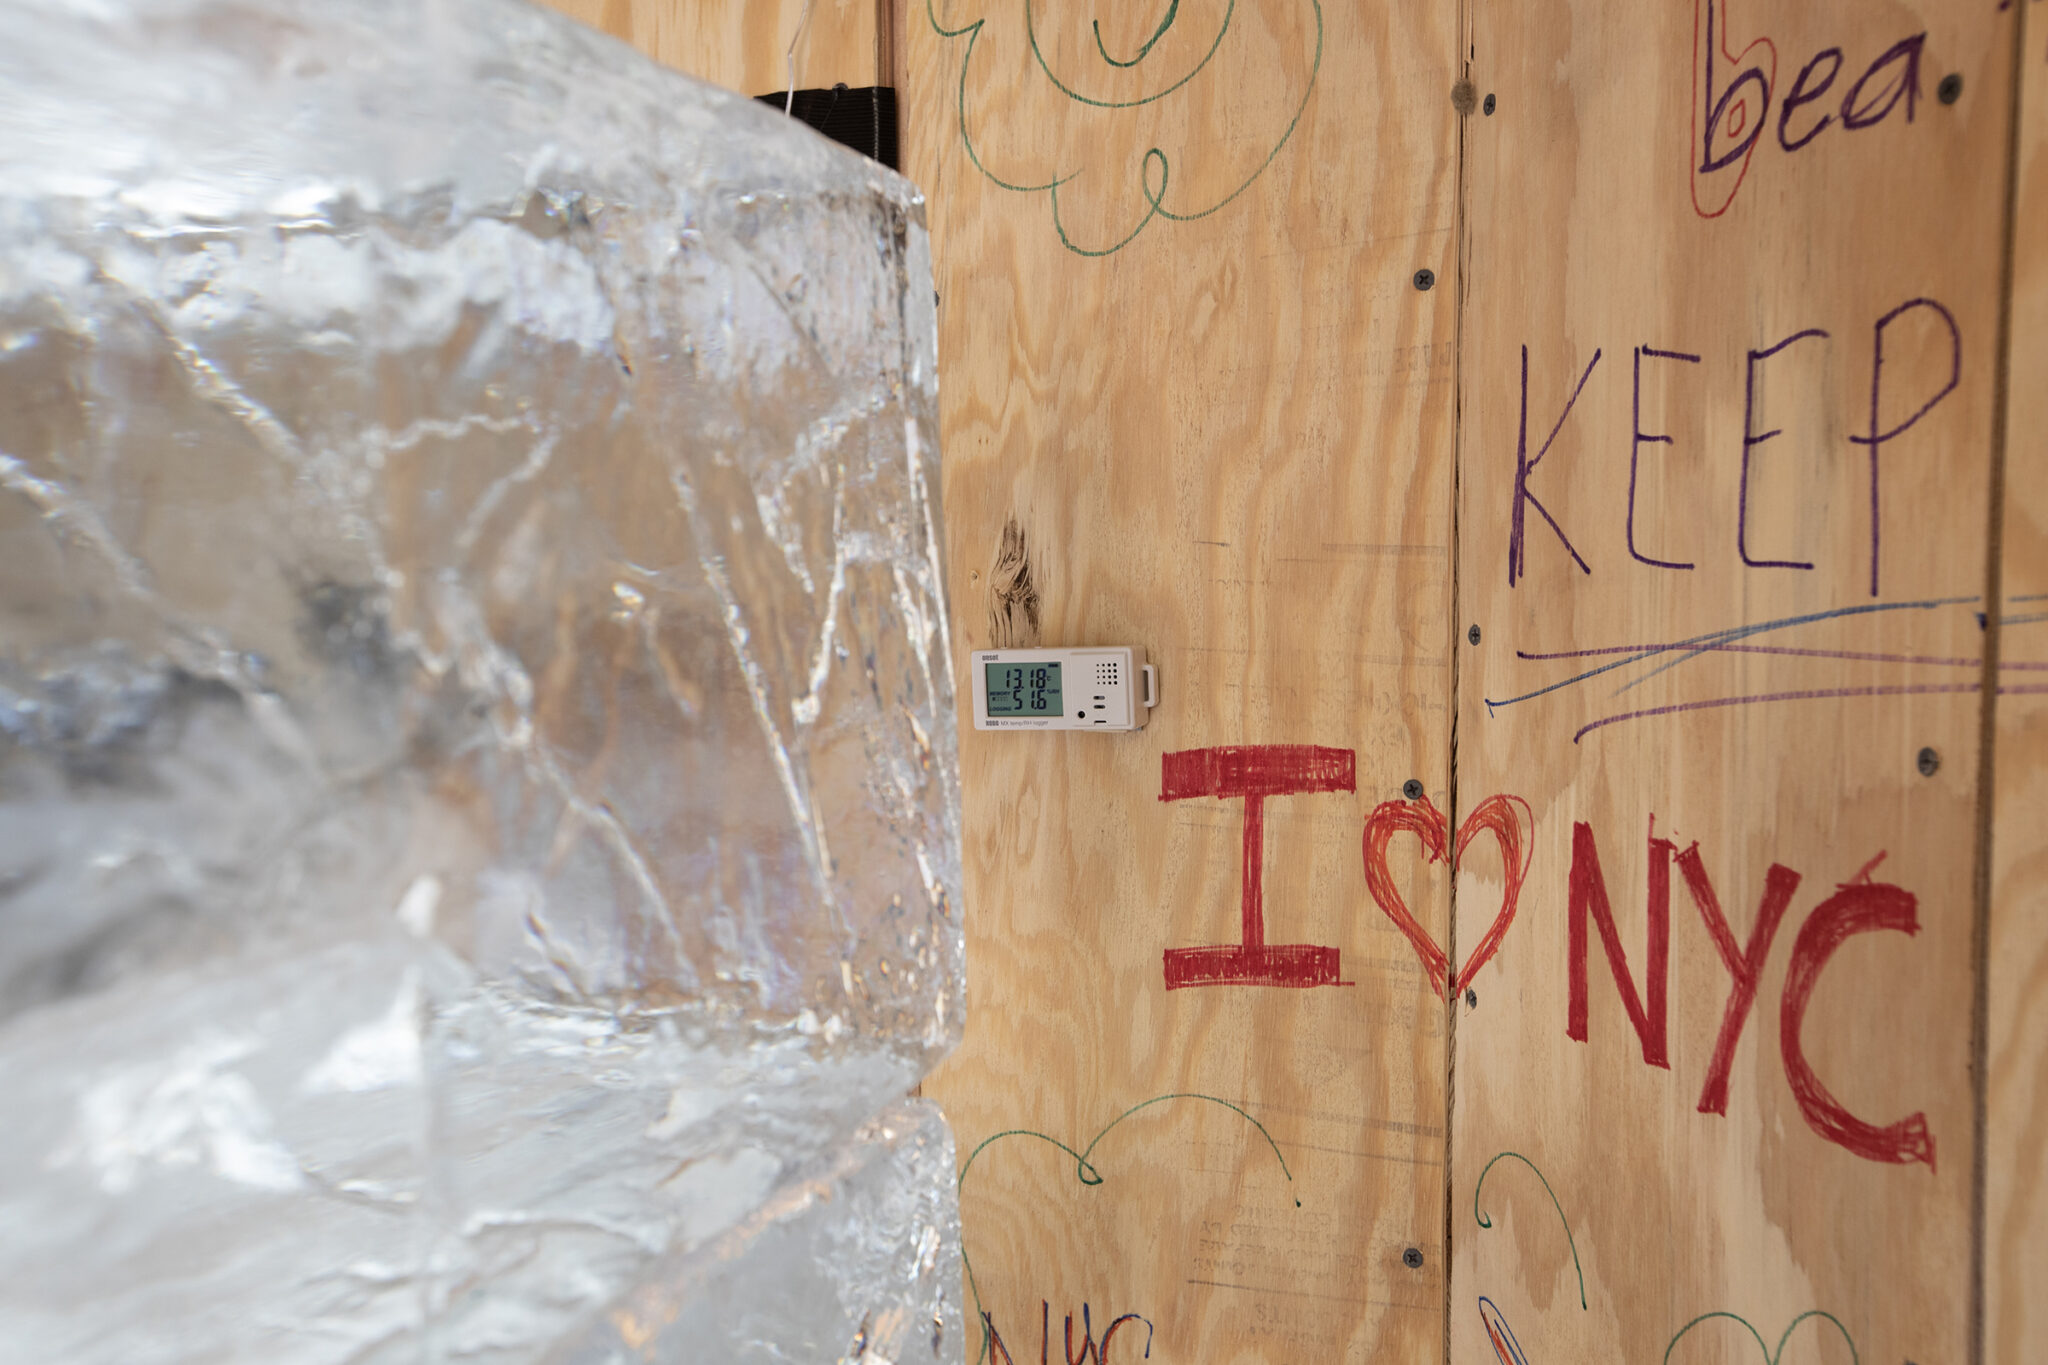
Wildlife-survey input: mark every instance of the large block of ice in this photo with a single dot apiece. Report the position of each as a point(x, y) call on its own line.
point(476, 736)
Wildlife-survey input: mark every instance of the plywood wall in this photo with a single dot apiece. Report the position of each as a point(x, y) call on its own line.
point(1731, 657)
point(2015, 1228)
point(1675, 555)
point(1193, 400)
point(746, 45)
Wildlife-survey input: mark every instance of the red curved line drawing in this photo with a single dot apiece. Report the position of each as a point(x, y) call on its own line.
point(1507, 818)
point(1506, 1349)
point(1427, 823)
point(1693, 144)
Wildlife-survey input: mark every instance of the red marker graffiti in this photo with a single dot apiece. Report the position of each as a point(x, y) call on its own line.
point(1506, 818)
point(1745, 964)
point(1859, 906)
point(1254, 772)
point(1727, 111)
point(1855, 908)
point(1587, 894)
point(1506, 1349)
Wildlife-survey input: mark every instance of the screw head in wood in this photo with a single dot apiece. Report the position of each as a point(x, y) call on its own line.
point(1412, 1258)
point(1488, 105)
point(1951, 88)
point(1425, 279)
point(1472, 635)
point(1930, 762)
point(1412, 789)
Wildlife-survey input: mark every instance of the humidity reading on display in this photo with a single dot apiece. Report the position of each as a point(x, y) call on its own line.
point(1031, 689)
point(1092, 687)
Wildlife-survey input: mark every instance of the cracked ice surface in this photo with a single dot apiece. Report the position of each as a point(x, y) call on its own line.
point(478, 840)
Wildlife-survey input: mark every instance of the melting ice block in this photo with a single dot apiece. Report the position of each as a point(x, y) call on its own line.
point(478, 839)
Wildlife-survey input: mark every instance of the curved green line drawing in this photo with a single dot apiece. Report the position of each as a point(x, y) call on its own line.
point(972, 33)
point(1085, 1172)
point(1770, 1357)
point(1031, 32)
point(1155, 198)
point(1172, 10)
point(1165, 169)
point(1570, 1241)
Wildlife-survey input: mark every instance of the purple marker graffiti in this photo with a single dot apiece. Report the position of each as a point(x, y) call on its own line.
point(1717, 109)
point(1750, 440)
point(1524, 466)
point(1638, 440)
point(1876, 439)
point(1860, 113)
point(1799, 95)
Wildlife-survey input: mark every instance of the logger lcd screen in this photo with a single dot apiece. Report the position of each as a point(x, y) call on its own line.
point(1024, 689)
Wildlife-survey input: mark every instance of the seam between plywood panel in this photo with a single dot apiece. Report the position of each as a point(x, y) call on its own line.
point(1461, 241)
point(1987, 725)
point(888, 18)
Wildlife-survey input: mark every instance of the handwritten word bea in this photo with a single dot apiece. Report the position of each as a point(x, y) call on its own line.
point(1898, 403)
point(1733, 90)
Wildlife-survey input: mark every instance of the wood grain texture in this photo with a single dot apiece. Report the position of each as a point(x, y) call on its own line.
point(745, 46)
point(1226, 439)
point(1771, 762)
point(2016, 1203)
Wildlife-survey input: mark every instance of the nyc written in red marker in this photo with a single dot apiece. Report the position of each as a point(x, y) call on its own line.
point(1252, 773)
point(1858, 906)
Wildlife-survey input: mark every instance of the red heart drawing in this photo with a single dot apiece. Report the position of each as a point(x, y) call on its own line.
point(1506, 818)
point(1735, 114)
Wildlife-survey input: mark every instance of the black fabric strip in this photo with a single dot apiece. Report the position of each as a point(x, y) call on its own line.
point(863, 118)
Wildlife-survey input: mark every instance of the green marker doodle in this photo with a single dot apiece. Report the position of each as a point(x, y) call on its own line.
point(1164, 24)
point(1570, 1241)
point(1770, 1357)
point(1155, 168)
point(1085, 1172)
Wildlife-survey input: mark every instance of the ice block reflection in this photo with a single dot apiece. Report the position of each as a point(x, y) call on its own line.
point(478, 847)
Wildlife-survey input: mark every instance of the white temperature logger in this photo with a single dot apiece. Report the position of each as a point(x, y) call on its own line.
point(1062, 689)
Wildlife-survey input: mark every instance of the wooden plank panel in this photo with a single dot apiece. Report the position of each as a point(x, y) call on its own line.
point(1748, 235)
point(745, 45)
point(2016, 1204)
point(1194, 401)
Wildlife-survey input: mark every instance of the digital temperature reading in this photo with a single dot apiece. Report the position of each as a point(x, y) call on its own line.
point(1096, 688)
point(1024, 689)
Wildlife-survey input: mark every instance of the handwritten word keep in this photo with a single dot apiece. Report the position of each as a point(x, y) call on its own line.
point(1889, 395)
point(1732, 94)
